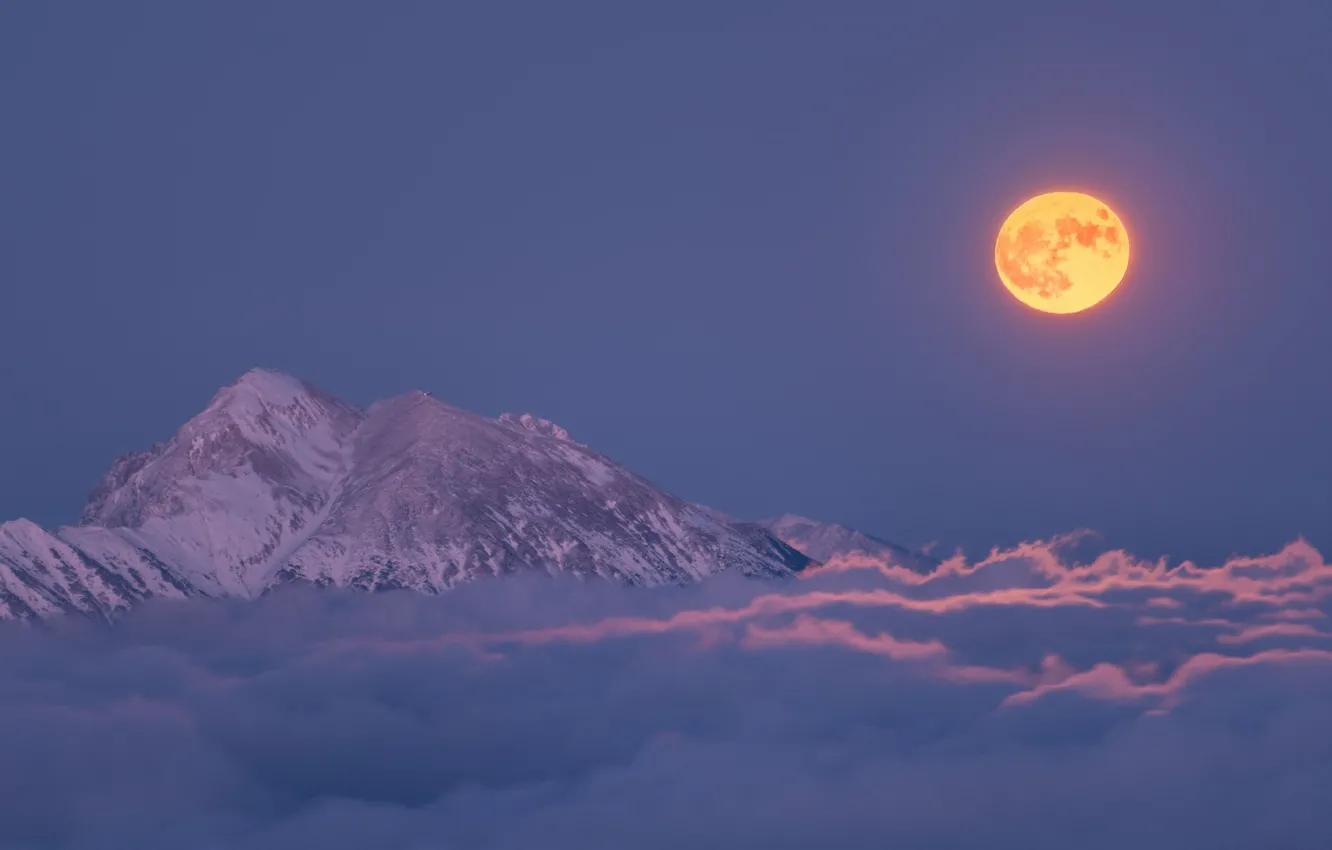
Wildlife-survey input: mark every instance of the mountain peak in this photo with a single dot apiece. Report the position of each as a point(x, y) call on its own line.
point(262, 390)
point(237, 485)
point(260, 379)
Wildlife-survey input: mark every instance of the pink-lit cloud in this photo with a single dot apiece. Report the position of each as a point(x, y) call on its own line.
point(1112, 682)
point(1266, 630)
point(1031, 577)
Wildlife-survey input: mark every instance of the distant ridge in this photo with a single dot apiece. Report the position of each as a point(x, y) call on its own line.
point(821, 541)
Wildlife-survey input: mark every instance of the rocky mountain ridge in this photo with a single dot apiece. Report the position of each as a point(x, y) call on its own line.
point(276, 481)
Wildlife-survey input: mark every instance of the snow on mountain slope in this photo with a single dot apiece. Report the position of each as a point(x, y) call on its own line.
point(821, 541)
point(277, 481)
point(41, 574)
point(535, 424)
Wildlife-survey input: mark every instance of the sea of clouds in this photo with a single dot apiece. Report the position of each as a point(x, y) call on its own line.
point(1039, 698)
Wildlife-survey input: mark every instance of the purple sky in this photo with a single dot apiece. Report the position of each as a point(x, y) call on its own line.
point(744, 248)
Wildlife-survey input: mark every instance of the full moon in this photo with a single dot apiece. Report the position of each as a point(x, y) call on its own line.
point(1062, 252)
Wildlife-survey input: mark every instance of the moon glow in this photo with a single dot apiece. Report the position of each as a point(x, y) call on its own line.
point(1062, 252)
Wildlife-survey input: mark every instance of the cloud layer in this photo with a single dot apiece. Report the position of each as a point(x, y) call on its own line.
point(1030, 700)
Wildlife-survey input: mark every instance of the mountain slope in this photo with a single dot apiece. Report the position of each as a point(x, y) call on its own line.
point(276, 481)
point(91, 571)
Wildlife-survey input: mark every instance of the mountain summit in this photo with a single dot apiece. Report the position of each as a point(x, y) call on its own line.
point(277, 481)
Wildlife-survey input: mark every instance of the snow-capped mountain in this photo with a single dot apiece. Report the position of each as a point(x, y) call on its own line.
point(823, 540)
point(277, 481)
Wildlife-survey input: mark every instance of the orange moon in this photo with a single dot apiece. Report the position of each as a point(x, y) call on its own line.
point(1062, 252)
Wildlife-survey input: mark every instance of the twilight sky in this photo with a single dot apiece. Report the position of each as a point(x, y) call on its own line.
point(744, 248)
